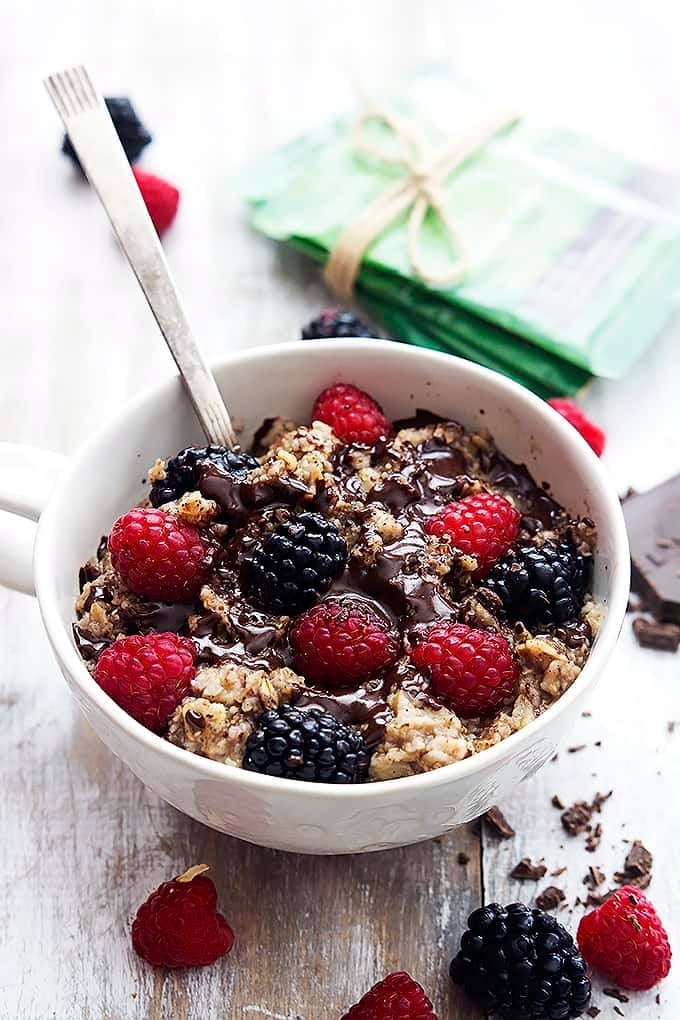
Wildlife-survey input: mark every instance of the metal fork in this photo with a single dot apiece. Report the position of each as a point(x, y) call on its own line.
point(94, 138)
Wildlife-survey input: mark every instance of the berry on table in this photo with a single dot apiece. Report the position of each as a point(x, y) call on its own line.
point(182, 472)
point(625, 940)
point(306, 744)
point(520, 963)
point(295, 564)
point(147, 675)
point(484, 526)
point(396, 997)
point(157, 555)
point(335, 323)
point(160, 197)
point(354, 416)
point(343, 642)
point(179, 926)
point(592, 433)
point(540, 584)
point(133, 135)
point(472, 670)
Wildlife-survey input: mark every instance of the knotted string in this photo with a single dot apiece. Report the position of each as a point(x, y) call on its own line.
point(420, 190)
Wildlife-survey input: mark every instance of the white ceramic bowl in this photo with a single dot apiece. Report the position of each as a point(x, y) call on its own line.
point(103, 480)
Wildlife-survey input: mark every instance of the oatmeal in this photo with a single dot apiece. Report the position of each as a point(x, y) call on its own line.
point(358, 605)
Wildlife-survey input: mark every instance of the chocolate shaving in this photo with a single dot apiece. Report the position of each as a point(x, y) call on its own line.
point(594, 877)
point(618, 1011)
point(498, 823)
point(526, 870)
point(594, 838)
point(650, 634)
point(578, 747)
point(550, 898)
point(593, 1011)
point(558, 871)
point(614, 993)
point(557, 803)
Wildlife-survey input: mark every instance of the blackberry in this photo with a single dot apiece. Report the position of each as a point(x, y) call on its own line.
point(541, 584)
point(521, 964)
point(182, 472)
point(295, 564)
point(132, 133)
point(335, 323)
point(307, 745)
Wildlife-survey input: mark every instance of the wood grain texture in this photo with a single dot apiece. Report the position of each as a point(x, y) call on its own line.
point(83, 841)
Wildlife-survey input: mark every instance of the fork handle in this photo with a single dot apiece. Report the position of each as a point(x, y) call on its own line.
point(103, 159)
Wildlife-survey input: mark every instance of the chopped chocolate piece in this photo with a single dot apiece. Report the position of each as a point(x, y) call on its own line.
point(614, 993)
point(557, 803)
point(558, 871)
point(593, 1011)
point(586, 715)
point(596, 899)
point(498, 823)
point(599, 799)
point(652, 517)
point(463, 859)
point(525, 869)
point(618, 1011)
point(594, 877)
point(576, 818)
point(554, 758)
point(578, 747)
point(637, 868)
point(650, 634)
point(594, 839)
point(550, 898)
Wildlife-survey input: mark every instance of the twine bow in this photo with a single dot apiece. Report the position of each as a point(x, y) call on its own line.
point(420, 190)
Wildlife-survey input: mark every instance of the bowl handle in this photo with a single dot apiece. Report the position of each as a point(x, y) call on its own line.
point(27, 477)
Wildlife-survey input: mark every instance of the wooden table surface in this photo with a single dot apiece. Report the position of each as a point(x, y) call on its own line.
point(83, 841)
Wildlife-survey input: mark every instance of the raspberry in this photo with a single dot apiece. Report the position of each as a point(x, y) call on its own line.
point(335, 323)
point(396, 997)
point(472, 670)
point(341, 643)
point(158, 556)
point(540, 584)
point(133, 135)
point(295, 564)
point(625, 940)
point(306, 744)
point(521, 964)
point(182, 472)
point(147, 675)
point(592, 433)
point(483, 526)
point(352, 414)
point(160, 197)
point(178, 926)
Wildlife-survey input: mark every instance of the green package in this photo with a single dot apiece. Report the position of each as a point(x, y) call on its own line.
point(574, 251)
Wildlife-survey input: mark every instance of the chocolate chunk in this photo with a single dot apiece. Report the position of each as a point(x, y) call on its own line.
point(599, 799)
point(558, 871)
point(619, 1012)
point(578, 747)
point(652, 518)
point(463, 859)
point(557, 803)
point(550, 898)
point(593, 1011)
point(614, 993)
point(525, 869)
point(637, 868)
point(577, 817)
point(650, 634)
point(498, 823)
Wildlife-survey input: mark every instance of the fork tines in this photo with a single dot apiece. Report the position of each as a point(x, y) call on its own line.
point(72, 92)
